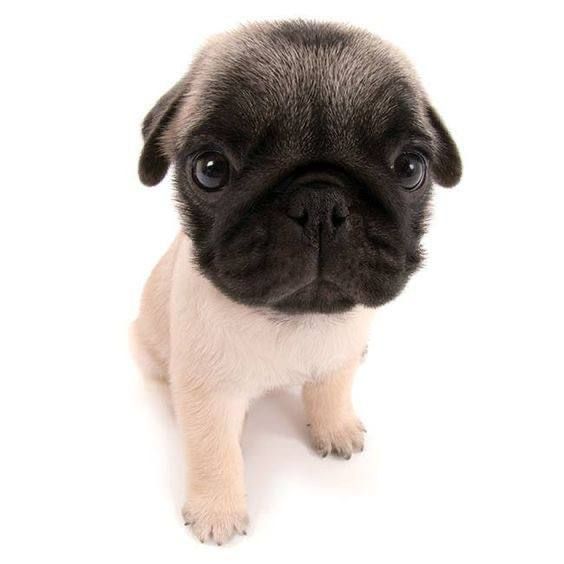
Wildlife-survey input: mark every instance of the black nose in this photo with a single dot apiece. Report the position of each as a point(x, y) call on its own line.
point(319, 209)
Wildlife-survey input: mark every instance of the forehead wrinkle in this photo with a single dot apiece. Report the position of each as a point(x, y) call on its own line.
point(264, 73)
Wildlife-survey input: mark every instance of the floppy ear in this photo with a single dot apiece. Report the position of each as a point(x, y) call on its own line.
point(154, 161)
point(447, 166)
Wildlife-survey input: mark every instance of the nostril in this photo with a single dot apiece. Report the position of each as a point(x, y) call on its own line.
point(300, 218)
point(338, 216)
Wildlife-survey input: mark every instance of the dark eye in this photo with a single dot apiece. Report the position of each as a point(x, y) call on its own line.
point(410, 170)
point(210, 170)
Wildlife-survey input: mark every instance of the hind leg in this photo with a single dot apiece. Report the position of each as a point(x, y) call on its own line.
point(149, 335)
point(149, 362)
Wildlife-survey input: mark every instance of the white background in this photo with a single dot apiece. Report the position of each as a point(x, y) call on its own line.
point(462, 391)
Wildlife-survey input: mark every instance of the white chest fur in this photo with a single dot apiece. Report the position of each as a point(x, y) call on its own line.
point(248, 349)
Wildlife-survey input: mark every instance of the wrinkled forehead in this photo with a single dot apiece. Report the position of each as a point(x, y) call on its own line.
point(308, 95)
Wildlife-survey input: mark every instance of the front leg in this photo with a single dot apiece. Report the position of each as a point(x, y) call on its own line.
point(333, 425)
point(211, 423)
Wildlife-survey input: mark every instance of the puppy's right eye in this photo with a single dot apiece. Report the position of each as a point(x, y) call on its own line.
point(210, 171)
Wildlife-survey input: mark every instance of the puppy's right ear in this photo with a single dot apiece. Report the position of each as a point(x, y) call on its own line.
point(154, 161)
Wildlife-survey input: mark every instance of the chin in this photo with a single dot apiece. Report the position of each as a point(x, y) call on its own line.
point(319, 296)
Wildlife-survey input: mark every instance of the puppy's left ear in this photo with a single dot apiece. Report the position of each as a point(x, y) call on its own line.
point(447, 166)
point(154, 161)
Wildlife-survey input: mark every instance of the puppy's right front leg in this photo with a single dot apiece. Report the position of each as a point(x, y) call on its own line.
point(211, 423)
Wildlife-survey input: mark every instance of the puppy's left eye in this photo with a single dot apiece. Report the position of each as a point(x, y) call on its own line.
point(410, 170)
point(210, 170)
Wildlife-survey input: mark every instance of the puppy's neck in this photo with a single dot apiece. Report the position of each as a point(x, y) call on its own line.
point(275, 349)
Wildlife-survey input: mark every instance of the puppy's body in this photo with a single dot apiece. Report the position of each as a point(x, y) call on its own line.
point(219, 355)
point(304, 157)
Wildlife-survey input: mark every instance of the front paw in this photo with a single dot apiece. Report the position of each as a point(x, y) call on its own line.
point(215, 518)
point(342, 436)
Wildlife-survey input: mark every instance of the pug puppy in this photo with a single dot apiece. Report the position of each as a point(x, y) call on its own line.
point(304, 155)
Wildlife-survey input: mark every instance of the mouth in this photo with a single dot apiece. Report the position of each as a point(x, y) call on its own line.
point(318, 296)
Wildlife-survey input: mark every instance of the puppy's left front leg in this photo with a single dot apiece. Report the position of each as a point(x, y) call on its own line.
point(211, 422)
point(333, 424)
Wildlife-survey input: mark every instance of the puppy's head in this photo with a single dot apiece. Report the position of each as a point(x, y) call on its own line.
point(304, 156)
